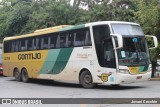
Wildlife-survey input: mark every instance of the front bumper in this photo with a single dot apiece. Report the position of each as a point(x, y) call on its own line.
point(128, 78)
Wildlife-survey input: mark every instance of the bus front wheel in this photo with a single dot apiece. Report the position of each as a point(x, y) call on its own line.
point(25, 77)
point(86, 80)
point(17, 75)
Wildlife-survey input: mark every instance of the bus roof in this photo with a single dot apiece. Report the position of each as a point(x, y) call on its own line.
point(51, 28)
point(111, 22)
point(64, 28)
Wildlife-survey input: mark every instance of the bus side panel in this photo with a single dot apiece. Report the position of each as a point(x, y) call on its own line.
point(32, 61)
point(55, 63)
point(66, 64)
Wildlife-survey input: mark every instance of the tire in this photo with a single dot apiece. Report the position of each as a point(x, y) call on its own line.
point(17, 75)
point(86, 80)
point(25, 77)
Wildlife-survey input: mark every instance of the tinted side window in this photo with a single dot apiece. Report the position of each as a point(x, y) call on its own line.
point(88, 38)
point(7, 46)
point(45, 42)
point(53, 40)
point(16, 45)
point(70, 39)
point(37, 43)
point(82, 37)
point(58, 41)
point(63, 40)
point(23, 45)
point(100, 33)
point(13, 46)
point(79, 38)
point(30, 44)
point(108, 54)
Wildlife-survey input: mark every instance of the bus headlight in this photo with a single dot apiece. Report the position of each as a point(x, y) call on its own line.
point(125, 71)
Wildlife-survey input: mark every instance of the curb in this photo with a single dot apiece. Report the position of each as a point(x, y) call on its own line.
point(155, 79)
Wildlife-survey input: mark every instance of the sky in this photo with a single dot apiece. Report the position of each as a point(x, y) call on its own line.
point(71, 2)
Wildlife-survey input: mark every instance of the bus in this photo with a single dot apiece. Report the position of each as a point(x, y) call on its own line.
point(105, 52)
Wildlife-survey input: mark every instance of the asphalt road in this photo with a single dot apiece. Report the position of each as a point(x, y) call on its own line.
point(9, 88)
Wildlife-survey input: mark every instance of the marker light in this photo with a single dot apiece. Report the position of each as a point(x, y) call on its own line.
point(125, 71)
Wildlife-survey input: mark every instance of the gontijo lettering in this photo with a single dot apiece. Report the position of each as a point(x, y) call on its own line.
point(29, 56)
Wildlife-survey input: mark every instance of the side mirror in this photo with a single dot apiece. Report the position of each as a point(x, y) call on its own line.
point(118, 41)
point(155, 41)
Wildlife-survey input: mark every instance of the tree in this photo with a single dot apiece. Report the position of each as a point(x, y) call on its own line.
point(4, 12)
point(122, 10)
point(17, 18)
point(52, 13)
point(148, 15)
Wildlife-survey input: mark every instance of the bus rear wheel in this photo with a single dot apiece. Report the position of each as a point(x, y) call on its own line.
point(25, 77)
point(17, 75)
point(86, 80)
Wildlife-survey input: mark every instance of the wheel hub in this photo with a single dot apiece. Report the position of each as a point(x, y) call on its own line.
point(88, 79)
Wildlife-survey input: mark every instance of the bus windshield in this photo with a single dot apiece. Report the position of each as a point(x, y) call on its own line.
point(134, 51)
point(127, 29)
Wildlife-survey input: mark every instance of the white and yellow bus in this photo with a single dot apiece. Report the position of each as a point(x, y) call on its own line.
point(106, 52)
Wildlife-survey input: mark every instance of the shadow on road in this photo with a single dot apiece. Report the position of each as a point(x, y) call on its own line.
point(59, 84)
point(121, 87)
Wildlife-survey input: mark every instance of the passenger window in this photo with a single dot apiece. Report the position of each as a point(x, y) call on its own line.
point(100, 33)
point(70, 39)
point(79, 38)
point(82, 37)
point(88, 38)
point(17, 46)
point(63, 40)
point(30, 44)
point(36, 43)
point(13, 46)
point(7, 47)
point(23, 45)
point(58, 41)
point(45, 43)
point(53, 39)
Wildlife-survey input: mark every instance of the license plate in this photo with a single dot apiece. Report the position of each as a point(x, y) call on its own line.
point(139, 77)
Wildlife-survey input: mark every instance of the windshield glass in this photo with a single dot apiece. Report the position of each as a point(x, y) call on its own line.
point(134, 51)
point(127, 29)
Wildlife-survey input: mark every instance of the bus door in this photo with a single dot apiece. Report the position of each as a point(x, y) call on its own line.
point(108, 54)
point(104, 46)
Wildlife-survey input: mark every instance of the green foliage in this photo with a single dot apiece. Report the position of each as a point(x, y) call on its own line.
point(17, 19)
point(25, 16)
point(46, 14)
point(117, 11)
point(148, 15)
